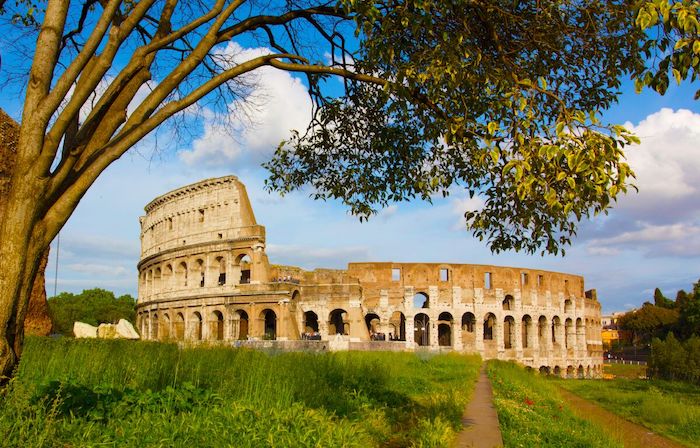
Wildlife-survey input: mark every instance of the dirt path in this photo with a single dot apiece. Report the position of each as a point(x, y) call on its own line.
point(631, 435)
point(480, 420)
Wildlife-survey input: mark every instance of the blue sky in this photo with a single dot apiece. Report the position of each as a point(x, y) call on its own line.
point(650, 239)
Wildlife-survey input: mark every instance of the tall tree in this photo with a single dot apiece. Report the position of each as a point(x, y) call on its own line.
point(662, 301)
point(501, 97)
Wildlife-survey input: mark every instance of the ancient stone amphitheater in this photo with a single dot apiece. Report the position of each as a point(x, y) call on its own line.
point(204, 276)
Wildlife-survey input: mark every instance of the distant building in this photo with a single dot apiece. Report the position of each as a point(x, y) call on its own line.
point(611, 334)
point(204, 275)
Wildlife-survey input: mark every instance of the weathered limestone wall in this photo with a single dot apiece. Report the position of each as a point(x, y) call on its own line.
point(545, 320)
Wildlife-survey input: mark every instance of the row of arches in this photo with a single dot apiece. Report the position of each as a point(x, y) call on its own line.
point(194, 326)
point(421, 300)
point(196, 273)
point(572, 371)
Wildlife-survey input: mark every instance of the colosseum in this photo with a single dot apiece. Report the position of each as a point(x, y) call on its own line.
point(204, 276)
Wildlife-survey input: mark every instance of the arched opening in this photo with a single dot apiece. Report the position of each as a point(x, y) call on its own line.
point(157, 281)
point(489, 325)
point(182, 274)
point(196, 326)
point(164, 328)
point(580, 373)
point(179, 327)
point(542, 332)
point(338, 322)
point(568, 306)
point(240, 325)
point(544, 370)
point(420, 300)
point(216, 328)
point(508, 302)
point(570, 371)
point(270, 324)
point(445, 329)
point(398, 325)
point(580, 334)
point(310, 322)
point(569, 336)
point(556, 323)
point(244, 263)
point(526, 331)
point(468, 331)
point(373, 327)
point(557, 370)
point(154, 327)
point(221, 262)
point(421, 329)
point(508, 332)
point(168, 277)
point(200, 269)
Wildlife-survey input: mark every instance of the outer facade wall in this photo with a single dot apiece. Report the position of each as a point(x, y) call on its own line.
point(204, 275)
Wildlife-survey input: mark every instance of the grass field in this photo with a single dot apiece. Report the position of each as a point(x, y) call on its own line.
point(631, 371)
point(531, 412)
point(668, 408)
point(121, 393)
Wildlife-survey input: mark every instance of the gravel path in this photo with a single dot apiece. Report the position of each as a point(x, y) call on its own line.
point(480, 420)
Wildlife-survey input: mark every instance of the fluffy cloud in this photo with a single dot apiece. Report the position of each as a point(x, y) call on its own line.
point(311, 258)
point(667, 165)
point(663, 218)
point(275, 104)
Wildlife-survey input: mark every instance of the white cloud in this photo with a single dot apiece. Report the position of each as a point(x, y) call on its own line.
point(667, 165)
point(461, 205)
point(103, 270)
point(276, 104)
point(653, 240)
point(315, 257)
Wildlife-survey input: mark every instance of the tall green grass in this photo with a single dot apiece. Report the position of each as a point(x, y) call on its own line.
point(670, 408)
point(531, 412)
point(123, 393)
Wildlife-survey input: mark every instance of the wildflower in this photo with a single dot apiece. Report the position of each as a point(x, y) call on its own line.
point(529, 402)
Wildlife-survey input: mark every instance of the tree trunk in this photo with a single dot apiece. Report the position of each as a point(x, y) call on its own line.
point(18, 279)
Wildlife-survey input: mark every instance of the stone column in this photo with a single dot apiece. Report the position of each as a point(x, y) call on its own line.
point(457, 337)
point(410, 328)
point(518, 339)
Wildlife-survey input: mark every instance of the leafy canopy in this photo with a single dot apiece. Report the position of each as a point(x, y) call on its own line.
point(92, 306)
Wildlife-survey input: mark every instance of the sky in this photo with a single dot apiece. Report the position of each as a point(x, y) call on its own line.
point(649, 239)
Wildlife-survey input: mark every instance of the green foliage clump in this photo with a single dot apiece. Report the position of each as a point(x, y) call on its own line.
point(672, 359)
point(127, 393)
point(670, 408)
point(92, 306)
point(531, 412)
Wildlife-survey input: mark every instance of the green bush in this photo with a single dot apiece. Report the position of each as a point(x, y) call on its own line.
point(674, 360)
point(92, 306)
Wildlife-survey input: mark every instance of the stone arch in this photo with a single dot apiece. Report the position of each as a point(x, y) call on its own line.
point(445, 321)
point(508, 303)
point(157, 281)
point(489, 327)
point(468, 331)
point(398, 324)
point(542, 332)
point(196, 326)
point(216, 325)
point(179, 327)
point(580, 373)
point(421, 329)
point(508, 332)
point(269, 321)
point(310, 323)
point(544, 370)
point(221, 265)
point(164, 328)
point(243, 261)
point(199, 265)
point(569, 335)
point(154, 327)
point(373, 323)
point(240, 325)
point(338, 322)
point(556, 324)
point(570, 371)
point(421, 300)
point(557, 370)
point(168, 276)
point(526, 333)
point(182, 274)
point(568, 306)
